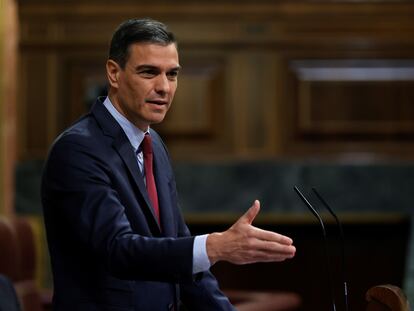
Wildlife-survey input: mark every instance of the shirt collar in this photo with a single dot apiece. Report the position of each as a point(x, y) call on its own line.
point(134, 134)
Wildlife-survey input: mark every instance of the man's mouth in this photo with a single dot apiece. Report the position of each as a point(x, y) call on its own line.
point(156, 102)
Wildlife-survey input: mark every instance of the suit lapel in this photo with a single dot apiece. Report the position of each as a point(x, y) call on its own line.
point(128, 156)
point(122, 145)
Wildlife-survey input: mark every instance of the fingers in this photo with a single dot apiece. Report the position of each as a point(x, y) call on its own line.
point(270, 236)
point(252, 251)
point(275, 249)
point(263, 256)
point(266, 251)
point(251, 213)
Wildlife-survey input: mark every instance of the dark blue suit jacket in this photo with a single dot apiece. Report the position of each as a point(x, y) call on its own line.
point(107, 250)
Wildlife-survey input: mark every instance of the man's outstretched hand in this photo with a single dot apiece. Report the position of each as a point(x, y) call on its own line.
point(243, 243)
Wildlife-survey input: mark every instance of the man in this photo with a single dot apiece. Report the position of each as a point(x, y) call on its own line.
point(116, 236)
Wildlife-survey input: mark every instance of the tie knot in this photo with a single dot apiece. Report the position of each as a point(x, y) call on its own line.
point(147, 145)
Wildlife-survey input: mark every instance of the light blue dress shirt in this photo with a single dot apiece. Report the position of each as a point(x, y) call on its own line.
point(136, 136)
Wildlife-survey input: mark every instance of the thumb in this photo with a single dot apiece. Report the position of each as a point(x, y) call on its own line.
point(251, 213)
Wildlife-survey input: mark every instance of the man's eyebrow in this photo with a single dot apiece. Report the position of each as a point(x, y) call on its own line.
point(176, 68)
point(151, 67)
point(146, 67)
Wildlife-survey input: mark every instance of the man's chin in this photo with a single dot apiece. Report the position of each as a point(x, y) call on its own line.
point(157, 119)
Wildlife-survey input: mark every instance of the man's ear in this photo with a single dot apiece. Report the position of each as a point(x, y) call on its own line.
point(112, 72)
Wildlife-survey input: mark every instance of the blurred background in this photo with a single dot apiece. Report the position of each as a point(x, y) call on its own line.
point(272, 94)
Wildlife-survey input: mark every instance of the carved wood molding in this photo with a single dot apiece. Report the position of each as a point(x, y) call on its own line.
point(280, 22)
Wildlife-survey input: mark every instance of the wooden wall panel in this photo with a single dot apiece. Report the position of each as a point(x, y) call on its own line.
point(84, 79)
point(361, 97)
point(253, 98)
point(342, 105)
point(34, 114)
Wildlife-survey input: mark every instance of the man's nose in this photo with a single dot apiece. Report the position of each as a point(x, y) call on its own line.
point(162, 84)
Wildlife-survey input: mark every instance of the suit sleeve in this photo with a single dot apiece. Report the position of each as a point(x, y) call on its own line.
point(204, 294)
point(85, 211)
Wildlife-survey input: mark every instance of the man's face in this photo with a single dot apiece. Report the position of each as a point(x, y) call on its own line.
point(144, 89)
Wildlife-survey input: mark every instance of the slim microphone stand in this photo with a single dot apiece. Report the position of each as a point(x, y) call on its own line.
point(341, 233)
point(314, 212)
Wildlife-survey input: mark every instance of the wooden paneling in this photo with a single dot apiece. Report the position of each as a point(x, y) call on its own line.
point(84, 79)
point(361, 97)
point(252, 83)
point(34, 115)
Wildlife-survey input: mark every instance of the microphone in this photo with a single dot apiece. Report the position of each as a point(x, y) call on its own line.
point(341, 234)
point(315, 213)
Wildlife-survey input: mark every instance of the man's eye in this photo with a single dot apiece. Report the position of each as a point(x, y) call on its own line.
point(148, 73)
point(172, 75)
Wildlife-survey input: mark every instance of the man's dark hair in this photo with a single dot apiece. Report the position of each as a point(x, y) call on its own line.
point(132, 31)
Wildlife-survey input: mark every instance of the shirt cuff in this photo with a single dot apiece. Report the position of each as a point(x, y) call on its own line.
point(200, 258)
